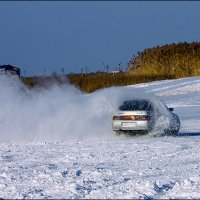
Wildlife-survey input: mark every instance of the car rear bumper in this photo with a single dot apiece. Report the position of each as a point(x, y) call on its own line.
point(129, 125)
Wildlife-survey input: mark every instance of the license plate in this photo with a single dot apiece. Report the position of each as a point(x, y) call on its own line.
point(129, 124)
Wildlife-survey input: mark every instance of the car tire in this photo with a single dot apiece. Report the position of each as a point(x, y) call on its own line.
point(118, 133)
point(171, 132)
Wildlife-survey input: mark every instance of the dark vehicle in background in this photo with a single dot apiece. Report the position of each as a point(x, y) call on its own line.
point(9, 70)
point(140, 116)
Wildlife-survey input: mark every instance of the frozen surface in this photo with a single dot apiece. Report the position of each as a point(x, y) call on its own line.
point(82, 158)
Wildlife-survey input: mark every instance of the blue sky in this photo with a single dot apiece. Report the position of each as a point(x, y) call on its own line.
point(52, 35)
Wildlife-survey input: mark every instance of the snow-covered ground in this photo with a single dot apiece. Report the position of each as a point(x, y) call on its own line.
point(58, 144)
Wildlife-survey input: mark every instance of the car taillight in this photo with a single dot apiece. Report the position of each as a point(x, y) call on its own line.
point(127, 117)
point(116, 118)
point(142, 117)
point(132, 117)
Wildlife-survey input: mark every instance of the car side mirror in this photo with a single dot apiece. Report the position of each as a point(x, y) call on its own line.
point(171, 109)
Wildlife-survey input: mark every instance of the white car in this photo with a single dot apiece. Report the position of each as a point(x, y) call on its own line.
point(143, 116)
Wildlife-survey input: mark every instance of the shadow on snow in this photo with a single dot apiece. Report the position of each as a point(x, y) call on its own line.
point(184, 134)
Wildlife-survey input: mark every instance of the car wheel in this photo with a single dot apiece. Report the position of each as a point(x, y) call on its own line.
point(117, 133)
point(171, 132)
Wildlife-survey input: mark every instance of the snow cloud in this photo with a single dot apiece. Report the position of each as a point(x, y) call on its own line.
point(60, 113)
point(54, 114)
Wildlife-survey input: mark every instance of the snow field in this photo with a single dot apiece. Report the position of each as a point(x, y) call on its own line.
point(125, 168)
point(60, 158)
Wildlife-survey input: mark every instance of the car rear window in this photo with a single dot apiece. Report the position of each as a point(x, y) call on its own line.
point(134, 105)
